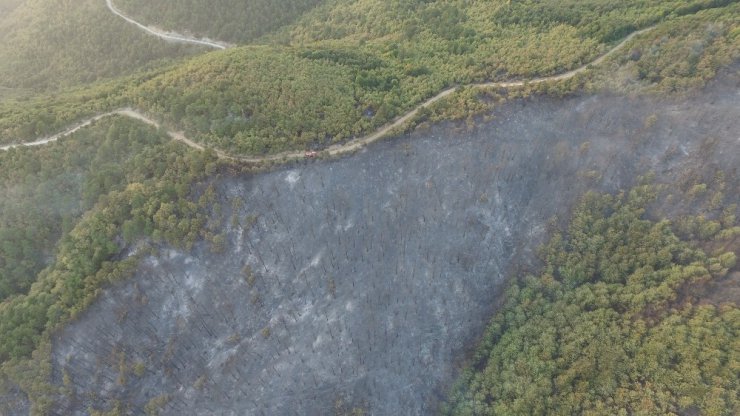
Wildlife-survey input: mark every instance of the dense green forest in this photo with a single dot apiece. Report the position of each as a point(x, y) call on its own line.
point(47, 189)
point(379, 75)
point(44, 195)
point(236, 21)
point(349, 67)
point(674, 58)
point(51, 44)
point(609, 326)
point(273, 99)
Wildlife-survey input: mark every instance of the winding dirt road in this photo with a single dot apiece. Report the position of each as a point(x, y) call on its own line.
point(337, 149)
point(127, 112)
point(170, 36)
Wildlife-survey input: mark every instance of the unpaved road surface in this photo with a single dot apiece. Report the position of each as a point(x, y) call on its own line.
point(127, 112)
point(169, 36)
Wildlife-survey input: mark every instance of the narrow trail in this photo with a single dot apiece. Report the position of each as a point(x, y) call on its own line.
point(171, 36)
point(337, 149)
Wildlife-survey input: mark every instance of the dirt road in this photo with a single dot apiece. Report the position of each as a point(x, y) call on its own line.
point(337, 149)
point(170, 36)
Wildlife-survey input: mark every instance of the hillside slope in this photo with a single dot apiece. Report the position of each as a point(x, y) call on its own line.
point(51, 44)
point(235, 21)
point(318, 305)
point(115, 242)
point(258, 100)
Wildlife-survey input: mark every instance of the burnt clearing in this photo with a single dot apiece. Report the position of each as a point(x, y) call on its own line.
point(362, 282)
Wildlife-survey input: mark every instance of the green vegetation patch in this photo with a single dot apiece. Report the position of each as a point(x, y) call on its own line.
point(48, 44)
point(260, 99)
point(227, 20)
point(607, 328)
point(677, 57)
point(355, 65)
point(347, 67)
point(120, 183)
point(44, 195)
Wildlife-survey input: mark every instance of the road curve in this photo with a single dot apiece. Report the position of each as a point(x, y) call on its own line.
point(127, 112)
point(336, 149)
point(356, 144)
point(170, 36)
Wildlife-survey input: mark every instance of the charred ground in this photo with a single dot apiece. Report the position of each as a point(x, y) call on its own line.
point(361, 282)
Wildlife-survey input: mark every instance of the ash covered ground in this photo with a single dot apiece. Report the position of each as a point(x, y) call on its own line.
point(363, 282)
